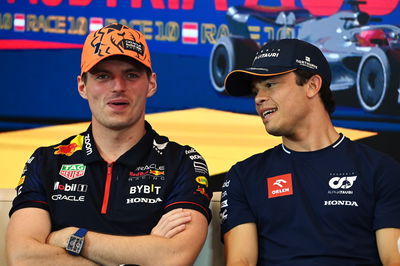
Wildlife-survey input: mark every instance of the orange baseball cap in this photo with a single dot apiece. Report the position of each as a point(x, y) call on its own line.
point(114, 39)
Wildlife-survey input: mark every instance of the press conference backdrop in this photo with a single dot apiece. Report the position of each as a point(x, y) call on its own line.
point(194, 45)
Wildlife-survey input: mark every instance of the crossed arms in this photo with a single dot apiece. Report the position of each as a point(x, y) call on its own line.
point(29, 241)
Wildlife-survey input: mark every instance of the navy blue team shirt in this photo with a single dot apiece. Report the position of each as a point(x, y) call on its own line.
point(314, 208)
point(126, 197)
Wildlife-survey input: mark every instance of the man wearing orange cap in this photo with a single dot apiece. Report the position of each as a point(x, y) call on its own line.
point(118, 193)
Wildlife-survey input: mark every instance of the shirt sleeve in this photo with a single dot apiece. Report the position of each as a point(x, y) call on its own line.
point(30, 190)
point(235, 209)
point(191, 189)
point(387, 193)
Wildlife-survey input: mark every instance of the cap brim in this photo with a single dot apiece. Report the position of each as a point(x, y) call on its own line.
point(97, 60)
point(238, 82)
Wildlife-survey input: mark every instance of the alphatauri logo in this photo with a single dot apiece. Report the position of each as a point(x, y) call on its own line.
point(345, 182)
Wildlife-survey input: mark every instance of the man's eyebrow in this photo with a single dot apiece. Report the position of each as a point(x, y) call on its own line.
point(96, 70)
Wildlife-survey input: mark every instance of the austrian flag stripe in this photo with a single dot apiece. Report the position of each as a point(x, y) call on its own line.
point(95, 24)
point(19, 22)
point(190, 32)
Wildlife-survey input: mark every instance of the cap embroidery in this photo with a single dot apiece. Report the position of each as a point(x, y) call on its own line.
point(133, 46)
point(306, 64)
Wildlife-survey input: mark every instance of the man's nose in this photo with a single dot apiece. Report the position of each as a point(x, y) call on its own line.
point(261, 97)
point(119, 84)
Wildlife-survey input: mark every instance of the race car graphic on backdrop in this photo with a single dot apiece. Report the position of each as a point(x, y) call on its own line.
point(363, 57)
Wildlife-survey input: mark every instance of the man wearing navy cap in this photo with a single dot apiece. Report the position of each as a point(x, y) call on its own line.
point(318, 198)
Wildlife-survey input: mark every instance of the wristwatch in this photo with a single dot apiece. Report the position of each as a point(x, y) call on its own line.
point(75, 242)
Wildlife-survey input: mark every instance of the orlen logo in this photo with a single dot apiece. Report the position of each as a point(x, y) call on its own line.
point(345, 182)
point(280, 185)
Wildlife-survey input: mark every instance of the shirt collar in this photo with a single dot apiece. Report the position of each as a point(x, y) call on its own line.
point(129, 158)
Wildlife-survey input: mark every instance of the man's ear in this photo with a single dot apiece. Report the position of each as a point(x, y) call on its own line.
point(151, 90)
point(81, 87)
point(314, 85)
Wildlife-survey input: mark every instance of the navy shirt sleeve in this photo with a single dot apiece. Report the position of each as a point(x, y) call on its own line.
point(387, 193)
point(235, 209)
point(30, 190)
point(191, 189)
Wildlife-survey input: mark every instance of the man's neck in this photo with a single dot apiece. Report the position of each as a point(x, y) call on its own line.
point(319, 133)
point(111, 143)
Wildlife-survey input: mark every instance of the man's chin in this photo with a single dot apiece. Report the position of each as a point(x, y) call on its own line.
point(273, 131)
point(117, 126)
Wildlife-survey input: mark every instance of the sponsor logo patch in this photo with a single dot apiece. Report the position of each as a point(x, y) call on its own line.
point(223, 215)
point(200, 167)
point(340, 203)
point(280, 185)
point(159, 147)
point(203, 192)
point(345, 182)
point(202, 180)
point(70, 187)
point(88, 145)
point(75, 145)
point(72, 171)
point(145, 189)
point(21, 180)
point(152, 172)
point(341, 183)
point(192, 150)
point(143, 200)
point(67, 198)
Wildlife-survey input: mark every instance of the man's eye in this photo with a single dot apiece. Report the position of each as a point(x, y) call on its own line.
point(132, 75)
point(102, 76)
point(269, 84)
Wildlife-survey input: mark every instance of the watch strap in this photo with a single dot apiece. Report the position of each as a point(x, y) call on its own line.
point(75, 242)
point(81, 232)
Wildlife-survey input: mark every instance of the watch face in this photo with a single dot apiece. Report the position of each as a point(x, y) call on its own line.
point(74, 245)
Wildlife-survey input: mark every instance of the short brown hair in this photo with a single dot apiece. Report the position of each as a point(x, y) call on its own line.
point(302, 76)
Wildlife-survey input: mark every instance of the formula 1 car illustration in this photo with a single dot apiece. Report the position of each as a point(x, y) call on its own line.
point(363, 57)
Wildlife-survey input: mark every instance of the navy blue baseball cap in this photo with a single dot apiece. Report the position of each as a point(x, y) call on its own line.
point(277, 58)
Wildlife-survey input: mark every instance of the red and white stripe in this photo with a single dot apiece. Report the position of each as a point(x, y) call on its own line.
point(95, 24)
point(19, 22)
point(190, 32)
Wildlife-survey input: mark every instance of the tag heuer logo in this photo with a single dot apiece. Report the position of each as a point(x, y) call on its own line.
point(72, 171)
